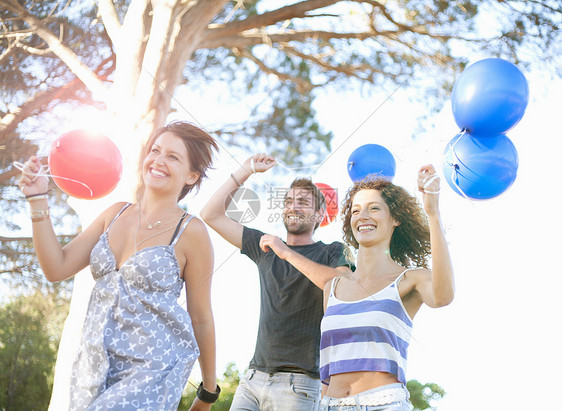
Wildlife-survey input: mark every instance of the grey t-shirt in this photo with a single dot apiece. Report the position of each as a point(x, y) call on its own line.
point(291, 306)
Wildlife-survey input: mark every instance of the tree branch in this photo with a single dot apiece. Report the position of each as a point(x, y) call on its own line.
point(302, 85)
point(253, 38)
point(130, 47)
point(10, 121)
point(293, 11)
point(7, 239)
point(110, 19)
point(6, 53)
point(419, 29)
point(348, 70)
point(64, 53)
point(540, 3)
point(34, 50)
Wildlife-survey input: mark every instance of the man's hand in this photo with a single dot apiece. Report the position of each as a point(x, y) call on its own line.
point(270, 242)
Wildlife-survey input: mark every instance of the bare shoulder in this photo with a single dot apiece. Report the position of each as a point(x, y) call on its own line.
point(412, 279)
point(417, 274)
point(196, 228)
point(106, 217)
point(115, 208)
point(195, 235)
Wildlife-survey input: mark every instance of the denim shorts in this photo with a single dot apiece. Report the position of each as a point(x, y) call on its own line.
point(395, 406)
point(279, 391)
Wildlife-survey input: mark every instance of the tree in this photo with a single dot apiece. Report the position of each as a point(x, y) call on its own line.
point(30, 328)
point(130, 57)
point(422, 395)
point(228, 383)
point(134, 54)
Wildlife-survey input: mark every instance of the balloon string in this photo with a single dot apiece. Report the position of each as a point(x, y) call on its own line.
point(298, 168)
point(455, 167)
point(462, 133)
point(44, 172)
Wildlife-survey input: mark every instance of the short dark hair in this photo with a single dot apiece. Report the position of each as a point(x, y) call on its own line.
point(410, 242)
point(199, 146)
point(319, 199)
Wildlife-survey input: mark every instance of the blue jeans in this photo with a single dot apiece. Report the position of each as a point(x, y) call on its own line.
point(395, 406)
point(280, 391)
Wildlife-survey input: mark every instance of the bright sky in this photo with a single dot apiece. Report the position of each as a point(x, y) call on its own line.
point(500, 326)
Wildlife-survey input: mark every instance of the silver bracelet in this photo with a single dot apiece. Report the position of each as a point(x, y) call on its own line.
point(39, 213)
point(236, 181)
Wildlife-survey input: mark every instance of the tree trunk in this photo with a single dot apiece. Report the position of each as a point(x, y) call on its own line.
point(161, 39)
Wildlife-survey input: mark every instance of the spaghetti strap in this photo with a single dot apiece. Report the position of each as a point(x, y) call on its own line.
point(334, 284)
point(400, 276)
point(118, 214)
point(180, 228)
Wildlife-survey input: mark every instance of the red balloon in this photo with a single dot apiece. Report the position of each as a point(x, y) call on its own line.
point(85, 164)
point(332, 206)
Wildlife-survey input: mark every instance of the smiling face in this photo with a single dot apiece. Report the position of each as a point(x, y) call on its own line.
point(166, 166)
point(299, 213)
point(371, 221)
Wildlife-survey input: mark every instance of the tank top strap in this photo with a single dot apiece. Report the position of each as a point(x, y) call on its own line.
point(184, 221)
point(118, 214)
point(400, 276)
point(335, 282)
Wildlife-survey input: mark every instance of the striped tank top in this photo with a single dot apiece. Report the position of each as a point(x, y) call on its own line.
point(371, 334)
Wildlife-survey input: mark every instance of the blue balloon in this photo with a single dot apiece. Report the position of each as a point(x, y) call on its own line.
point(490, 97)
point(371, 159)
point(480, 168)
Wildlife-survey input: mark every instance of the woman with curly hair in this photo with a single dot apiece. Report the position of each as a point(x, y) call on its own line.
point(368, 316)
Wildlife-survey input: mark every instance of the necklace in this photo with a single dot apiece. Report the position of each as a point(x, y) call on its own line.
point(149, 237)
point(157, 224)
point(137, 243)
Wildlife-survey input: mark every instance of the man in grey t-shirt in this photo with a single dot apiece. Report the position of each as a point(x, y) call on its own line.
point(283, 374)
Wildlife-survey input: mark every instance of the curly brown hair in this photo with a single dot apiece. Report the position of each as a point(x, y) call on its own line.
point(410, 242)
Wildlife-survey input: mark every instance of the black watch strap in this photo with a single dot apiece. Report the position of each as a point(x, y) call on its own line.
point(206, 396)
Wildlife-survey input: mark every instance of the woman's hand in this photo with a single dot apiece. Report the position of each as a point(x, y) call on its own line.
point(30, 181)
point(199, 405)
point(429, 185)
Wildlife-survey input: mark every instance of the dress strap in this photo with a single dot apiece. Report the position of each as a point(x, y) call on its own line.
point(180, 227)
point(118, 214)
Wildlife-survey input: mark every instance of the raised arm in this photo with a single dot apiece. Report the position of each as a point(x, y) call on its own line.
point(438, 288)
point(58, 263)
point(214, 212)
point(318, 273)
